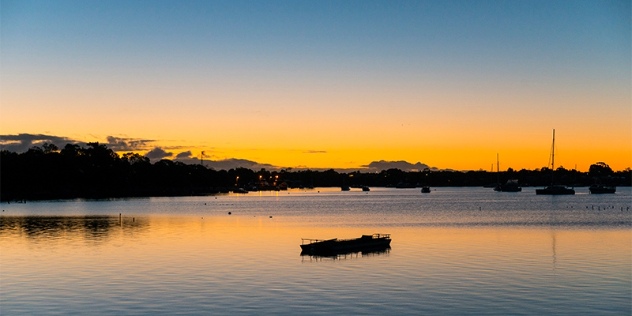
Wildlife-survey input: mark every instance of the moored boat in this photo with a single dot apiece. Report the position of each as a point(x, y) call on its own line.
point(340, 246)
point(425, 189)
point(510, 186)
point(240, 191)
point(554, 189)
point(601, 189)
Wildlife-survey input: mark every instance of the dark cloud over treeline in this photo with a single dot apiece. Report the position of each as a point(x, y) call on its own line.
point(20, 143)
point(401, 165)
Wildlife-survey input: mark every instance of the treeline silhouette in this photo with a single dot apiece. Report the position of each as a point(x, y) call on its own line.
point(96, 171)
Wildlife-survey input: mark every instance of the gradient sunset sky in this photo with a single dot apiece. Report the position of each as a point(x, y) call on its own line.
point(327, 84)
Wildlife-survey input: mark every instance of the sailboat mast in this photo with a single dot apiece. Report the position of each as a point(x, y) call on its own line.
point(553, 152)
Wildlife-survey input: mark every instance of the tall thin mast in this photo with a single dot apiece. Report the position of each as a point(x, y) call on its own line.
point(553, 152)
point(553, 159)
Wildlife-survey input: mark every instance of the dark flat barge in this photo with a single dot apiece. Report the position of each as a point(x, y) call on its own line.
point(340, 246)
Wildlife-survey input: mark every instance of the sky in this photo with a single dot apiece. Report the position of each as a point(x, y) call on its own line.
point(324, 84)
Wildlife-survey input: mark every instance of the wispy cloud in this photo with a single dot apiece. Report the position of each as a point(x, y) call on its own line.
point(128, 144)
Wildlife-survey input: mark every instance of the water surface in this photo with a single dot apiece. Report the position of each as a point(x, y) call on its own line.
point(454, 251)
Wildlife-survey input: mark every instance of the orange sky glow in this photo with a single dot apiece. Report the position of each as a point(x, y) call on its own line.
point(315, 91)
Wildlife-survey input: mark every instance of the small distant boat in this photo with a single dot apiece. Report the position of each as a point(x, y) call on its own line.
point(554, 189)
point(345, 188)
point(340, 246)
point(405, 185)
point(366, 188)
point(601, 189)
point(425, 189)
point(240, 191)
point(510, 186)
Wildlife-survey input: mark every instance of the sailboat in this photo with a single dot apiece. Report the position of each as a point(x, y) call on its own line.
point(510, 186)
point(601, 189)
point(554, 189)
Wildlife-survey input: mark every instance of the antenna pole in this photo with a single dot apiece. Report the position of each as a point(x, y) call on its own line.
point(497, 163)
point(497, 169)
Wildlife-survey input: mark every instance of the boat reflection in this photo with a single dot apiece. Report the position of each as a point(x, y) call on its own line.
point(346, 255)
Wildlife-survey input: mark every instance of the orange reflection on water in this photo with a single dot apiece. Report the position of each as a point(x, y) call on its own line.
point(234, 235)
point(236, 260)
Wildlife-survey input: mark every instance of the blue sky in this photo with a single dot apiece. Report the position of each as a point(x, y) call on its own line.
point(356, 61)
point(316, 31)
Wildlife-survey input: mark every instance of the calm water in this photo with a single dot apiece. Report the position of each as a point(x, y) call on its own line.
point(454, 251)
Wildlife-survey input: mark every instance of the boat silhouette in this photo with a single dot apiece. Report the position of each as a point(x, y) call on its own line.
point(601, 189)
point(332, 247)
point(554, 189)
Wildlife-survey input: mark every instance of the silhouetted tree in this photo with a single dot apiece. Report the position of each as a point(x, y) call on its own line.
point(600, 169)
point(49, 148)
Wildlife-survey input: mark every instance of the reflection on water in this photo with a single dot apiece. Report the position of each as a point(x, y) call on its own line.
point(188, 256)
point(347, 254)
point(93, 228)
